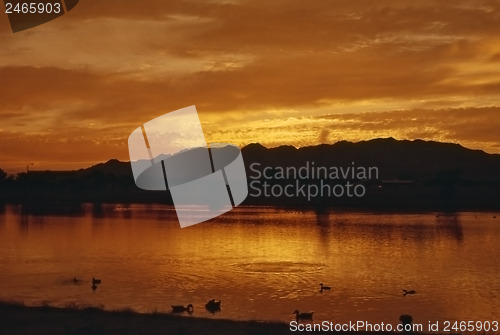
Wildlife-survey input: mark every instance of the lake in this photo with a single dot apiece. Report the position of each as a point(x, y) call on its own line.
point(263, 263)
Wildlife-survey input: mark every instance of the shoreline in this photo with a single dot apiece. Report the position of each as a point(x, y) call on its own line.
point(18, 319)
point(71, 207)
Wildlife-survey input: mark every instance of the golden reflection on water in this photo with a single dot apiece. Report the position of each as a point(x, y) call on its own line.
point(263, 263)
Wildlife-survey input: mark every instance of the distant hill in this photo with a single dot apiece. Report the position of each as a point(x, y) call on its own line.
point(420, 160)
point(412, 175)
point(113, 166)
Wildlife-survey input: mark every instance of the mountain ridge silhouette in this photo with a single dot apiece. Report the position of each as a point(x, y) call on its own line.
point(439, 176)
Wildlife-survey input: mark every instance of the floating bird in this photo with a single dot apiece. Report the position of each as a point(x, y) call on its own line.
point(323, 287)
point(405, 292)
point(180, 309)
point(303, 316)
point(213, 306)
point(405, 319)
point(95, 281)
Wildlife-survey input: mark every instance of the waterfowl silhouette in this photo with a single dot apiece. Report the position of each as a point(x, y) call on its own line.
point(325, 288)
point(95, 281)
point(303, 316)
point(213, 306)
point(180, 309)
point(405, 292)
point(405, 319)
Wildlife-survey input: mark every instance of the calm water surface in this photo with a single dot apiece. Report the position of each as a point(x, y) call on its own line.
point(263, 263)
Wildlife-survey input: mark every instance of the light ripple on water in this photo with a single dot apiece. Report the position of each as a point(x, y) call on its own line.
point(279, 267)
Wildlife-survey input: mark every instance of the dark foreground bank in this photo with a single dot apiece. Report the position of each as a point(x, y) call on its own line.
point(16, 319)
point(22, 320)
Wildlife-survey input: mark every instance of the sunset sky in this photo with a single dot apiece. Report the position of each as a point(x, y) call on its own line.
point(277, 72)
